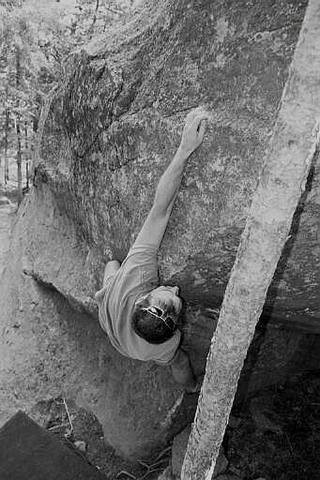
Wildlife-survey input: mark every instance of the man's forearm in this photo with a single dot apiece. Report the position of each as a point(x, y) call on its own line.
point(182, 372)
point(170, 181)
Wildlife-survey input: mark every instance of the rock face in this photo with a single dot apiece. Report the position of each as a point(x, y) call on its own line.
point(107, 134)
point(116, 122)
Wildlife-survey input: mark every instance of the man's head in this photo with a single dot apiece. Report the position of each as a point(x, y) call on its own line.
point(156, 314)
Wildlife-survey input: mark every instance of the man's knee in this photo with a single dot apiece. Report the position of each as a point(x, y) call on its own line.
point(111, 268)
point(113, 264)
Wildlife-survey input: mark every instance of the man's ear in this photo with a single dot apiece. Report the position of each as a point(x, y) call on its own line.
point(142, 301)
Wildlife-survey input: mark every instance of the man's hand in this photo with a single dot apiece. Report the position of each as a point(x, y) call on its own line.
point(193, 131)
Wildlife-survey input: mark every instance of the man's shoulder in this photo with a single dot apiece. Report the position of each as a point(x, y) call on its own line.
point(141, 254)
point(138, 271)
point(143, 248)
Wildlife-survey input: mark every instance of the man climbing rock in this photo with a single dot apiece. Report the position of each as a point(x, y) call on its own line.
point(141, 318)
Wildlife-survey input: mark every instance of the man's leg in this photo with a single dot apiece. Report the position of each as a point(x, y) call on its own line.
point(182, 372)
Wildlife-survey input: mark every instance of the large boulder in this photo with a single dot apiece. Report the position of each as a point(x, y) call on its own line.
point(106, 135)
point(116, 122)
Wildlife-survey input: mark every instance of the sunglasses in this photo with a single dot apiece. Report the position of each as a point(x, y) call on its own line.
point(159, 313)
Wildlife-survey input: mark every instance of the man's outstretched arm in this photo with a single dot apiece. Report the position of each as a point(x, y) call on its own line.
point(169, 184)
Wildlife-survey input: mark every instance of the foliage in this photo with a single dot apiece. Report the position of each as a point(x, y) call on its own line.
point(36, 36)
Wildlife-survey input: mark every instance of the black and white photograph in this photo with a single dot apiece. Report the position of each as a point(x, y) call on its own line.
point(159, 239)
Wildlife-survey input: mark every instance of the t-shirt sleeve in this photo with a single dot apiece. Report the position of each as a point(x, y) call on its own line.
point(145, 253)
point(142, 260)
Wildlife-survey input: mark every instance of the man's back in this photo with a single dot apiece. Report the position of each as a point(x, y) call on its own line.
point(137, 276)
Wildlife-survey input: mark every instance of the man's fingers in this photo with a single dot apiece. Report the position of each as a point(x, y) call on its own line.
point(203, 116)
point(196, 112)
point(194, 129)
point(202, 128)
point(200, 120)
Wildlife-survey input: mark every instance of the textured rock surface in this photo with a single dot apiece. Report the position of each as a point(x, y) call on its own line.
point(107, 135)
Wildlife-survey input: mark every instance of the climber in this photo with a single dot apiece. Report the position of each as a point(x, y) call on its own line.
point(141, 318)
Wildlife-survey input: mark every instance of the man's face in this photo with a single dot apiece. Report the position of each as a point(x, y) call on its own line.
point(167, 298)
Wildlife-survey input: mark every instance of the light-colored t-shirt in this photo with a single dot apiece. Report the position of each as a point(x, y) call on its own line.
point(137, 276)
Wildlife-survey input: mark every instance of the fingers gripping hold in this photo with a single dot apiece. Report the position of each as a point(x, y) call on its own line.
point(194, 129)
point(202, 128)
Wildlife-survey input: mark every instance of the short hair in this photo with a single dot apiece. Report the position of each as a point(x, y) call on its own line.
point(149, 327)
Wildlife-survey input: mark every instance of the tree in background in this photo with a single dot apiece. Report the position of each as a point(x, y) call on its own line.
point(20, 89)
point(36, 38)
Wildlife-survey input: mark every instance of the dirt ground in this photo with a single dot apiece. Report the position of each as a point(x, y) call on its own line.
point(275, 435)
point(80, 430)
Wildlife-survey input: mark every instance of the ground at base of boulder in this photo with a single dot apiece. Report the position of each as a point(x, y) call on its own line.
point(278, 433)
point(275, 434)
point(81, 430)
